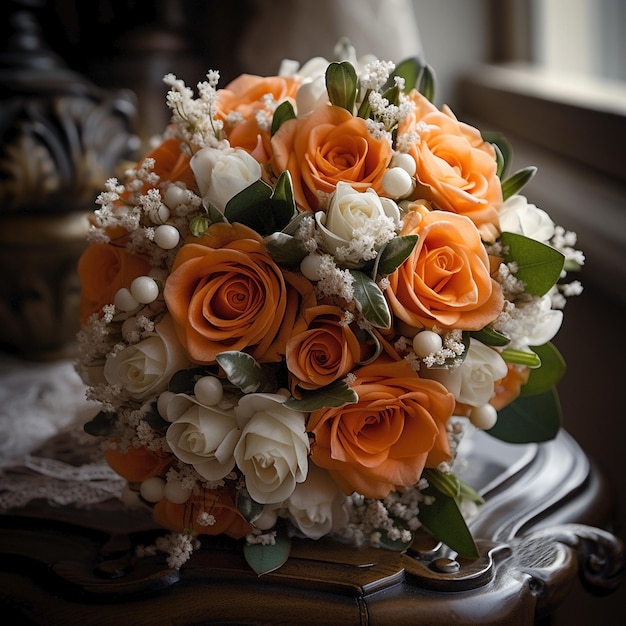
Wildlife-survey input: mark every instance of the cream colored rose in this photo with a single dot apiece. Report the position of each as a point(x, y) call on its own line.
point(540, 322)
point(317, 506)
point(144, 369)
point(518, 216)
point(356, 224)
point(272, 452)
point(482, 367)
point(223, 173)
point(204, 437)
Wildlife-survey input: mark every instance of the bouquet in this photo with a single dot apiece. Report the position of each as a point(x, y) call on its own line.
point(295, 304)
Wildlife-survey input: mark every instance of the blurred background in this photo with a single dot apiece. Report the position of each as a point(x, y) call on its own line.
point(550, 74)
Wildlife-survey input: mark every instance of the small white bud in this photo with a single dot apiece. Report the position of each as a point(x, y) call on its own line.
point(124, 300)
point(397, 183)
point(310, 266)
point(166, 236)
point(152, 489)
point(208, 390)
point(175, 492)
point(144, 289)
point(404, 161)
point(426, 342)
point(175, 196)
point(484, 417)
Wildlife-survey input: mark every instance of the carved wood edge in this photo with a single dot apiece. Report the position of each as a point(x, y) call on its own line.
point(528, 558)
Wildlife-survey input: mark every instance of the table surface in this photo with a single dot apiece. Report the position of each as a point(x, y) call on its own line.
point(66, 561)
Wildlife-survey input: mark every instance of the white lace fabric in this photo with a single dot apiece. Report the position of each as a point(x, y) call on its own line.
point(44, 452)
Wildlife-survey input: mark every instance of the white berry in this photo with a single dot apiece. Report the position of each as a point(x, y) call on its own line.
point(426, 342)
point(404, 161)
point(124, 300)
point(484, 417)
point(310, 266)
point(175, 492)
point(267, 520)
point(397, 182)
point(152, 489)
point(208, 390)
point(144, 289)
point(175, 196)
point(166, 236)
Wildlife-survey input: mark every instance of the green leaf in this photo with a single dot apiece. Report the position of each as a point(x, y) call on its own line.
point(336, 394)
point(426, 85)
point(539, 265)
point(392, 95)
point(469, 493)
point(341, 84)
point(517, 181)
point(267, 558)
point(285, 249)
point(284, 112)
point(490, 337)
point(444, 520)
point(155, 421)
point(521, 357)
point(499, 161)
point(283, 189)
point(549, 374)
point(529, 419)
point(102, 425)
point(503, 148)
point(371, 300)
point(244, 372)
point(249, 508)
point(257, 208)
point(447, 484)
point(294, 224)
point(410, 70)
point(393, 254)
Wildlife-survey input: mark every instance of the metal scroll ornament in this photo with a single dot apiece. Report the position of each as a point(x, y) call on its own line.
point(61, 137)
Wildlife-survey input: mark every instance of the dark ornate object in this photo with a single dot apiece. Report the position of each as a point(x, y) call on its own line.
point(60, 138)
point(536, 534)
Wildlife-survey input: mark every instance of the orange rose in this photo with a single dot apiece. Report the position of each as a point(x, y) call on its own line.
point(137, 464)
point(104, 268)
point(383, 441)
point(226, 293)
point(246, 97)
point(456, 169)
point(218, 503)
point(325, 351)
point(171, 163)
point(508, 388)
point(445, 281)
point(329, 146)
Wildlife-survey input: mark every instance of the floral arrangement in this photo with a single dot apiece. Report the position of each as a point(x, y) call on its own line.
point(295, 305)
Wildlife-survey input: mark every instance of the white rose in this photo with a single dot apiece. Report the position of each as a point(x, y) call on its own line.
point(317, 506)
point(222, 173)
point(311, 95)
point(541, 321)
point(272, 452)
point(518, 216)
point(205, 437)
point(356, 224)
point(479, 371)
point(144, 369)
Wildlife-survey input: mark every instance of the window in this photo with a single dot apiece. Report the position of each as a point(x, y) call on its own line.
point(580, 36)
point(550, 91)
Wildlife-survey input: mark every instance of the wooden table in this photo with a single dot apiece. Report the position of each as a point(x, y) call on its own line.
point(540, 528)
